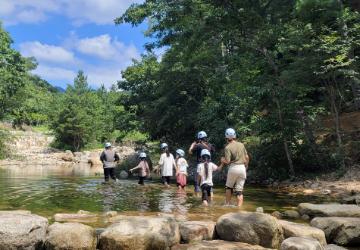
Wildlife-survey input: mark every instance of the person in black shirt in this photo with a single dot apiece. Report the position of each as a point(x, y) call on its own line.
point(196, 148)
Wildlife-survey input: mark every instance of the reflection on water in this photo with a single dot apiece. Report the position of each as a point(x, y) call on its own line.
point(47, 195)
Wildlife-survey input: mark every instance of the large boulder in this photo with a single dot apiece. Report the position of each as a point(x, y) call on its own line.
point(141, 233)
point(70, 236)
point(218, 245)
point(22, 231)
point(339, 230)
point(292, 229)
point(301, 243)
point(329, 210)
point(253, 228)
point(192, 231)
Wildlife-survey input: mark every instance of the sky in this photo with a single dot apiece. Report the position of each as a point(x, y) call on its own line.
point(70, 35)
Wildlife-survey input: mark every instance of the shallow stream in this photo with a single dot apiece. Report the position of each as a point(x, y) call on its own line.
point(48, 194)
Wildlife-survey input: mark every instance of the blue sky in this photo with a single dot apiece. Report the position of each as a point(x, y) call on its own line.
point(67, 35)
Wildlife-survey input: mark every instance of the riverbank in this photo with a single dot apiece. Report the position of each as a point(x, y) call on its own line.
point(330, 224)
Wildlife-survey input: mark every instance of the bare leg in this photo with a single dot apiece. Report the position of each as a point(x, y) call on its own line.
point(205, 203)
point(211, 196)
point(240, 199)
point(228, 196)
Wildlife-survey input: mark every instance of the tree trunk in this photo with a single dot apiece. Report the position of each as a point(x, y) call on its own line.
point(279, 112)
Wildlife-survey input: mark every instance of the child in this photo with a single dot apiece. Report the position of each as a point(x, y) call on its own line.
point(181, 169)
point(167, 163)
point(205, 171)
point(144, 168)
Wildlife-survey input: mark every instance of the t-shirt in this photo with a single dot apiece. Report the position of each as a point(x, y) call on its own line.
point(201, 171)
point(182, 165)
point(143, 166)
point(235, 153)
point(166, 163)
point(199, 147)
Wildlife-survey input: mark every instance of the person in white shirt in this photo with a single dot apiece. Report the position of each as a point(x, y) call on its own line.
point(167, 164)
point(205, 172)
point(181, 169)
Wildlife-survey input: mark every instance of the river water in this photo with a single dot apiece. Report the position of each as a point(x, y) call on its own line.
point(47, 194)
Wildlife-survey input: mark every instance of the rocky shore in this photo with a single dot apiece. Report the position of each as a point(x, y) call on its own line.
point(331, 227)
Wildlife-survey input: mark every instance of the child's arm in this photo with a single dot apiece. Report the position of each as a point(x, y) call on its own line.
point(198, 176)
point(147, 170)
point(137, 167)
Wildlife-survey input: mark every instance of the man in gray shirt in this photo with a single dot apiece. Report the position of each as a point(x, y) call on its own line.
point(109, 158)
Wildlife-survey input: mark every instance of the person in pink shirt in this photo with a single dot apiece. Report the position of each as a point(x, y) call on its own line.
point(143, 166)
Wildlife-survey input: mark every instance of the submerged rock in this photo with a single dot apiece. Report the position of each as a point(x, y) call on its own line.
point(329, 210)
point(300, 230)
point(79, 217)
point(218, 245)
point(70, 236)
point(138, 232)
point(339, 230)
point(253, 228)
point(301, 243)
point(291, 214)
point(192, 231)
point(22, 231)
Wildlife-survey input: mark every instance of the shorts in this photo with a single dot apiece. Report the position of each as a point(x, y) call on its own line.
point(206, 192)
point(141, 180)
point(181, 180)
point(166, 179)
point(236, 177)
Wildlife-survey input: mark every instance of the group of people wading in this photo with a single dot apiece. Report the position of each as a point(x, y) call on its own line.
point(235, 156)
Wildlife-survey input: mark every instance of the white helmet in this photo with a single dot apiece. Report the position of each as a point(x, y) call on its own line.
point(163, 145)
point(205, 152)
point(201, 135)
point(142, 155)
point(180, 152)
point(230, 133)
point(107, 145)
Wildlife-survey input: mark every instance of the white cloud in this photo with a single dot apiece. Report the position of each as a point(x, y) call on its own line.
point(79, 11)
point(55, 73)
point(108, 57)
point(45, 52)
point(106, 48)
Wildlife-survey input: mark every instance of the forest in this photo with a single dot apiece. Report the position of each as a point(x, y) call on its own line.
point(273, 70)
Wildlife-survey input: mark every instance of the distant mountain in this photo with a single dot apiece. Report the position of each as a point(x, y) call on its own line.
point(59, 89)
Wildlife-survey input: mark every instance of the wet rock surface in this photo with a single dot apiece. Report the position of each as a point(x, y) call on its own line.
point(70, 236)
point(192, 231)
point(329, 210)
point(300, 230)
point(301, 243)
point(339, 230)
point(22, 231)
point(253, 228)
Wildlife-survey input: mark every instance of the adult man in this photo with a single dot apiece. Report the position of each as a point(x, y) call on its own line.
point(237, 158)
point(197, 147)
point(109, 158)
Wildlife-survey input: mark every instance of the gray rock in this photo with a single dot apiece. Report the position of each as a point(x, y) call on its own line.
point(259, 210)
point(334, 247)
point(192, 231)
point(277, 214)
point(300, 230)
point(79, 217)
point(291, 214)
point(301, 243)
point(253, 228)
point(339, 230)
point(218, 245)
point(141, 233)
point(329, 210)
point(22, 231)
point(123, 174)
point(355, 199)
point(305, 217)
point(70, 236)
